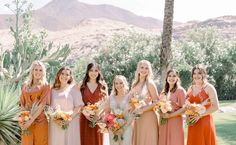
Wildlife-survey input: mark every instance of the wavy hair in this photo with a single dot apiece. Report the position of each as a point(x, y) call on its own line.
point(126, 85)
point(43, 80)
point(166, 87)
point(57, 82)
point(149, 77)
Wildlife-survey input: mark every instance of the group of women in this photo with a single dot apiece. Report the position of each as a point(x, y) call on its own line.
point(146, 130)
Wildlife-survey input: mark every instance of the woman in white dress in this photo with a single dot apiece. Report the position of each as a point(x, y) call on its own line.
point(69, 99)
point(119, 99)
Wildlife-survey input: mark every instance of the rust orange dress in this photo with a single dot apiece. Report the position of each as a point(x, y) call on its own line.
point(203, 131)
point(90, 136)
point(39, 128)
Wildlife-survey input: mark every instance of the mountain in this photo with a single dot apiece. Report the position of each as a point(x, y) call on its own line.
point(225, 25)
point(65, 14)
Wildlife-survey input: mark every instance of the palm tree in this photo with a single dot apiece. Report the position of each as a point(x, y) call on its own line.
point(165, 51)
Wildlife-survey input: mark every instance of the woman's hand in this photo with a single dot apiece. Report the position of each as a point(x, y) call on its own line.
point(26, 125)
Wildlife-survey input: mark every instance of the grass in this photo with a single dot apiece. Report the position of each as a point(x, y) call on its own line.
point(225, 128)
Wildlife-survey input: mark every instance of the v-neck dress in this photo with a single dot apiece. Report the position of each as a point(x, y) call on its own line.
point(90, 136)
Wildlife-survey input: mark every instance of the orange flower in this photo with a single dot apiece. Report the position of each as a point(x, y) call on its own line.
point(120, 116)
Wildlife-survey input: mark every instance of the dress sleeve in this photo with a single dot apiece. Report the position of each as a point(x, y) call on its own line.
point(77, 97)
point(181, 97)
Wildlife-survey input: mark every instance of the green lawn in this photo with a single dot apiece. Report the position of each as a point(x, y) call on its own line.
point(225, 128)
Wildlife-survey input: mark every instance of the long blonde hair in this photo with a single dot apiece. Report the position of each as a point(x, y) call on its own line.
point(149, 77)
point(126, 85)
point(31, 77)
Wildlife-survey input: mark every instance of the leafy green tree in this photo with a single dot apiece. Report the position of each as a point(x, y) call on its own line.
point(124, 52)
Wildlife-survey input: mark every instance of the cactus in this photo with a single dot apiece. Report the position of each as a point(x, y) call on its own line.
point(14, 64)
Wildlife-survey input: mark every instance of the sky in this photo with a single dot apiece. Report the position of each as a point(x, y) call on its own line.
point(184, 10)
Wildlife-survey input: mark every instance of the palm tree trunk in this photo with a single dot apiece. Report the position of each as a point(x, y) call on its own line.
point(165, 51)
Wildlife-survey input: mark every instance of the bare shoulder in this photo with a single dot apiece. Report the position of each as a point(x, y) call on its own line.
point(209, 87)
point(151, 84)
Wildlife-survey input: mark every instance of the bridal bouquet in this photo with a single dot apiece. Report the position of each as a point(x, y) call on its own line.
point(194, 110)
point(115, 122)
point(94, 111)
point(61, 118)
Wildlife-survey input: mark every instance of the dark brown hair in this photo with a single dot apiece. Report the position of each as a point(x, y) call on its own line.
point(57, 83)
point(166, 87)
point(202, 71)
point(99, 79)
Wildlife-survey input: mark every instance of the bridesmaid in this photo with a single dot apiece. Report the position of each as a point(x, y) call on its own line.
point(36, 90)
point(119, 98)
point(146, 127)
point(172, 133)
point(93, 89)
point(203, 131)
point(69, 99)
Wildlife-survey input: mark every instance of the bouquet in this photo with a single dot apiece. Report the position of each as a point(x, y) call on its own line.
point(194, 110)
point(94, 111)
point(115, 123)
point(60, 117)
point(163, 106)
point(26, 115)
point(136, 104)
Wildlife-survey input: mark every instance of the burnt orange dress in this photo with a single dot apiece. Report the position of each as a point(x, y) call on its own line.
point(39, 128)
point(203, 132)
point(90, 136)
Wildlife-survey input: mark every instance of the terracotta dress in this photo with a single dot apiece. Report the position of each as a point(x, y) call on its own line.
point(67, 99)
point(172, 133)
point(39, 128)
point(203, 132)
point(90, 136)
point(145, 130)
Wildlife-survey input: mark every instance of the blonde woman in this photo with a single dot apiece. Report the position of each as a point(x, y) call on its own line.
point(146, 127)
point(119, 99)
point(36, 89)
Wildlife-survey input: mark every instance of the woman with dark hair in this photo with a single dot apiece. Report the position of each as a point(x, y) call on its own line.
point(172, 132)
point(68, 99)
point(93, 89)
point(203, 131)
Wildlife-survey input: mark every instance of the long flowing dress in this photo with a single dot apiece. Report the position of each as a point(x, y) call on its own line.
point(146, 127)
point(67, 99)
point(203, 131)
point(38, 130)
point(90, 136)
point(172, 133)
point(124, 105)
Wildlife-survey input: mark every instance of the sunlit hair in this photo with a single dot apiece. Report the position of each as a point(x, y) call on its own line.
point(57, 82)
point(99, 79)
point(202, 71)
point(43, 80)
point(166, 87)
point(126, 85)
point(149, 77)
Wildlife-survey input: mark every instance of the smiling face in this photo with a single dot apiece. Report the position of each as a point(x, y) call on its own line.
point(93, 73)
point(37, 72)
point(65, 76)
point(119, 85)
point(143, 70)
point(172, 78)
point(197, 76)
